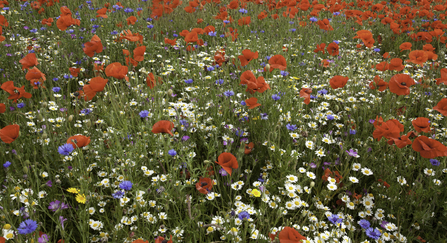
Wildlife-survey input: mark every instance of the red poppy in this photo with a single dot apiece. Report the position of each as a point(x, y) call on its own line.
point(324, 24)
point(140, 241)
point(262, 15)
point(15, 93)
point(131, 37)
point(160, 239)
point(249, 147)
point(366, 36)
point(95, 85)
point(116, 70)
point(219, 57)
point(389, 129)
point(74, 71)
point(400, 84)
point(233, 4)
point(131, 20)
point(93, 46)
point(9, 133)
point(28, 61)
point(47, 21)
point(78, 141)
point(98, 68)
point(247, 56)
point(405, 46)
point(421, 124)
point(2, 108)
point(102, 13)
point(418, 57)
point(204, 185)
point(429, 148)
point(191, 37)
point(252, 102)
point(338, 81)
point(382, 66)
point(333, 49)
point(333, 174)
point(443, 79)
point(277, 62)
point(36, 77)
point(378, 83)
point(163, 126)
point(441, 106)
point(290, 235)
point(320, 47)
point(396, 64)
point(403, 140)
point(305, 93)
point(244, 21)
point(171, 42)
point(227, 161)
point(138, 53)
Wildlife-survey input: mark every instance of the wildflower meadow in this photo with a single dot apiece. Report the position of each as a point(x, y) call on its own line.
point(285, 121)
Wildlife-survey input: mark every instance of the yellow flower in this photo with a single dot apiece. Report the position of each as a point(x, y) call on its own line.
point(73, 190)
point(81, 198)
point(256, 193)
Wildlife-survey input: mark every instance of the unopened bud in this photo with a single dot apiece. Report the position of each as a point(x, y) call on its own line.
point(267, 67)
point(25, 169)
point(312, 184)
point(337, 108)
point(44, 135)
point(314, 139)
point(27, 162)
point(170, 92)
point(40, 117)
point(44, 104)
point(88, 124)
point(70, 118)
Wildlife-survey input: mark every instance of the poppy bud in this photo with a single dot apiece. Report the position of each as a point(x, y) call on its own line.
point(337, 108)
point(340, 196)
point(25, 169)
point(314, 139)
point(27, 163)
point(40, 117)
point(44, 104)
point(170, 92)
point(58, 181)
point(162, 64)
point(267, 67)
point(89, 180)
point(89, 124)
point(312, 184)
point(304, 213)
point(70, 118)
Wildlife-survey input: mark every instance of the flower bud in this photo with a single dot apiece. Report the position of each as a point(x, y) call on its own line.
point(170, 92)
point(70, 118)
point(267, 67)
point(88, 124)
point(314, 139)
point(44, 104)
point(27, 163)
point(337, 108)
point(312, 184)
point(25, 169)
point(40, 117)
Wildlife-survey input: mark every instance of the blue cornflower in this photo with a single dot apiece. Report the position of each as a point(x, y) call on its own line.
point(264, 116)
point(435, 162)
point(175, 35)
point(267, 58)
point(210, 69)
point(56, 89)
point(335, 219)
point(313, 19)
point(243, 103)
point(212, 33)
point(95, 26)
point(373, 233)
point(323, 91)
point(126, 185)
point(229, 93)
point(364, 223)
point(189, 81)
point(284, 73)
point(172, 152)
point(292, 30)
point(28, 226)
point(21, 105)
point(276, 97)
point(222, 36)
point(150, 26)
point(336, 42)
point(128, 10)
point(144, 114)
point(65, 149)
point(330, 117)
point(352, 132)
point(336, 13)
point(377, 49)
point(243, 215)
point(291, 127)
point(118, 194)
point(244, 11)
point(114, 32)
point(6, 164)
point(86, 111)
point(33, 30)
point(226, 21)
